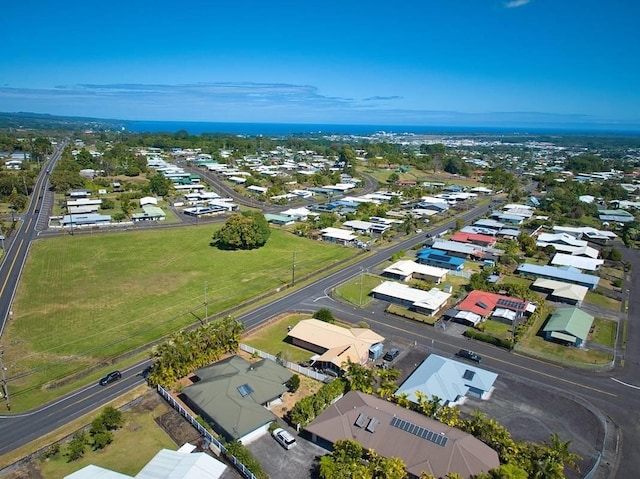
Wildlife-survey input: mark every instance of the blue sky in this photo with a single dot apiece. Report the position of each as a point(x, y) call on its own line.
point(428, 62)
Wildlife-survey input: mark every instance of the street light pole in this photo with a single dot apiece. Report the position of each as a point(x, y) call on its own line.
point(293, 270)
point(5, 390)
point(206, 304)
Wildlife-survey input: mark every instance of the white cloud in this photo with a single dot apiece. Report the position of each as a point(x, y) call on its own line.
point(516, 3)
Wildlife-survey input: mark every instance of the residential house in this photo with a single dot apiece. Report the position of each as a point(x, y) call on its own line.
point(474, 238)
point(426, 302)
point(568, 326)
point(406, 270)
point(334, 344)
point(560, 291)
point(566, 274)
point(617, 216)
point(499, 307)
point(234, 396)
point(461, 250)
point(579, 262)
point(166, 464)
point(422, 443)
point(451, 381)
point(337, 235)
point(439, 259)
point(83, 220)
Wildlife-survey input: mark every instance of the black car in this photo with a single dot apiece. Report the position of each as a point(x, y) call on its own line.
point(111, 377)
point(391, 355)
point(470, 355)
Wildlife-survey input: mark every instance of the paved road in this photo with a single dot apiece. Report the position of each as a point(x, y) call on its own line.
point(19, 242)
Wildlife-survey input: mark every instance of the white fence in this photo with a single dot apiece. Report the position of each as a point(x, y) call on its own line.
point(311, 373)
point(184, 413)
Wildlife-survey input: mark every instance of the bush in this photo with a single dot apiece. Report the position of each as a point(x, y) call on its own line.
point(52, 451)
point(487, 338)
point(76, 447)
point(112, 418)
point(294, 383)
point(244, 455)
point(324, 314)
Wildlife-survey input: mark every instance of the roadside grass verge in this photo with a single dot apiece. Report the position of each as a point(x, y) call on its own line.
point(85, 300)
point(602, 301)
point(604, 332)
point(357, 291)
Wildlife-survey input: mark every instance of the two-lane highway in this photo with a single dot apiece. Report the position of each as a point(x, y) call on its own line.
point(19, 243)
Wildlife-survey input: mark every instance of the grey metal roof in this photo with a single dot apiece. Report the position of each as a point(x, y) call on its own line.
point(220, 393)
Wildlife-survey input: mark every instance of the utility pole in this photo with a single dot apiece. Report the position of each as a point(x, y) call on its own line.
point(5, 390)
point(206, 304)
point(361, 286)
point(293, 270)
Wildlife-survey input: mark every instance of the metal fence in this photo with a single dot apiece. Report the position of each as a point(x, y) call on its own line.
point(207, 435)
point(462, 274)
point(311, 373)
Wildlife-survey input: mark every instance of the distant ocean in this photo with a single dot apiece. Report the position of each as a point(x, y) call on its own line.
point(289, 129)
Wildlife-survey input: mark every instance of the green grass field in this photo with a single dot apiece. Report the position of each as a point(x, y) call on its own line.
point(604, 332)
point(140, 433)
point(86, 299)
point(358, 290)
point(602, 300)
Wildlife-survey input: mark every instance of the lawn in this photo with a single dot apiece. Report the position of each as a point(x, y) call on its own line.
point(357, 291)
point(604, 332)
point(272, 338)
point(603, 301)
point(86, 299)
point(140, 433)
point(516, 280)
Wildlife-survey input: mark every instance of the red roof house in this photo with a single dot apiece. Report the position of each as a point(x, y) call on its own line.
point(474, 238)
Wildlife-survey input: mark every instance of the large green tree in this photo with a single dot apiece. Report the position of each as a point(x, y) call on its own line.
point(248, 230)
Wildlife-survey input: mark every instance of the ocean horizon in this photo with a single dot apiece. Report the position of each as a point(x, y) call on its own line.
point(291, 129)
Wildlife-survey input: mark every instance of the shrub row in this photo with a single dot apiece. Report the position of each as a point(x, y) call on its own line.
point(308, 408)
point(487, 338)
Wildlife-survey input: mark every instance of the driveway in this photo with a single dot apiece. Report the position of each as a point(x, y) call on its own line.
point(276, 461)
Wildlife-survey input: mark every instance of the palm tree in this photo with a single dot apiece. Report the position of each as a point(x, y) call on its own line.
point(559, 450)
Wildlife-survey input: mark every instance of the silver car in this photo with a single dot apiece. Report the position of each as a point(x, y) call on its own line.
point(285, 439)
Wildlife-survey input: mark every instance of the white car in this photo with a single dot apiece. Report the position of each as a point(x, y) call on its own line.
point(285, 439)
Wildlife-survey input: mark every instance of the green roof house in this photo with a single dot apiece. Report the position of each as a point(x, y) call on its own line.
point(234, 396)
point(568, 325)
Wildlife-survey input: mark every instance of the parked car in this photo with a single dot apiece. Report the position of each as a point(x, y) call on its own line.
point(285, 439)
point(391, 354)
point(111, 377)
point(470, 355)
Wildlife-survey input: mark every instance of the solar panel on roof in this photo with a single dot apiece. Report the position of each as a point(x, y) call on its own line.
point(482, 305)
point(468, 374)
point(424, 433)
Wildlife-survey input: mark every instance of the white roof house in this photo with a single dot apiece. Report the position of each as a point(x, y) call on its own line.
point(560, 238)
point(580, 262)
point(166, 464)
point(148, 200)
point(337, 234)
point(430, 302)
point(587, 251)
point(406, 269)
